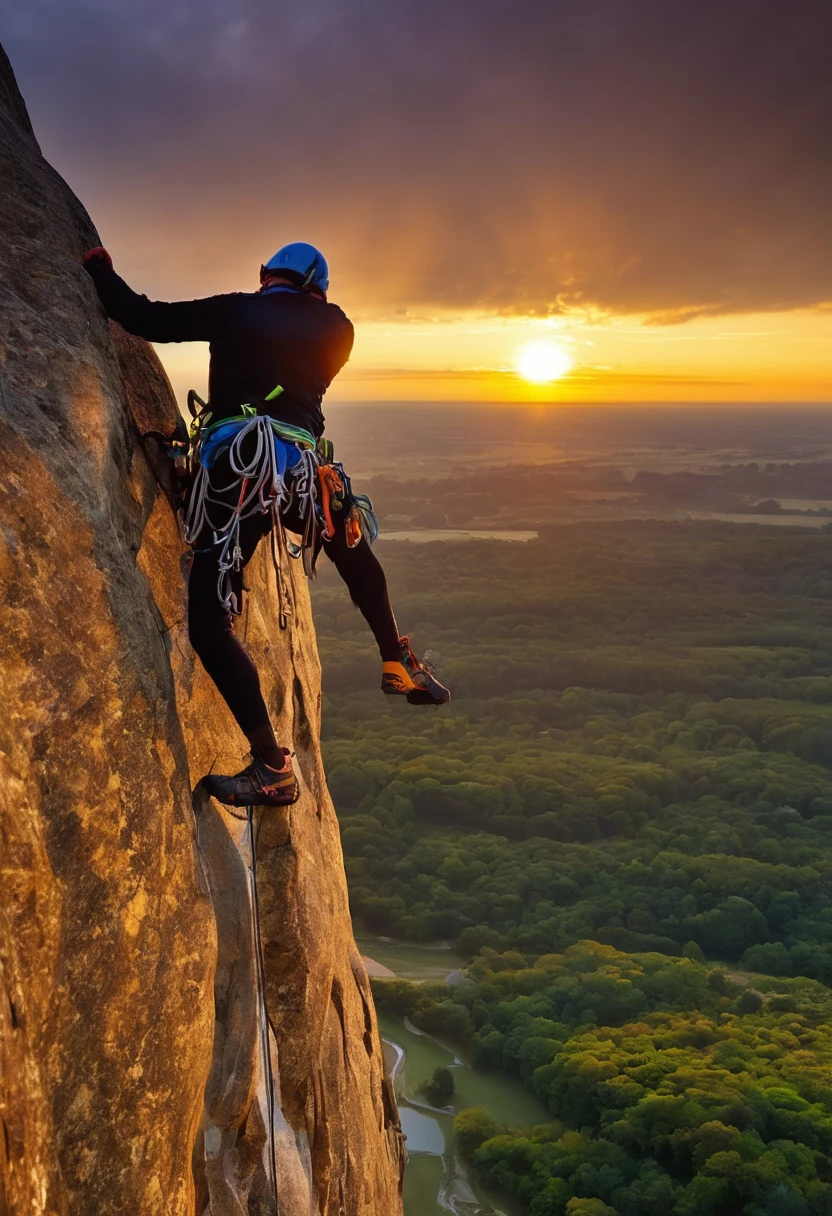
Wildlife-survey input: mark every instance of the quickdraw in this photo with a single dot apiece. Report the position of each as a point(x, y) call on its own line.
point(331, 486)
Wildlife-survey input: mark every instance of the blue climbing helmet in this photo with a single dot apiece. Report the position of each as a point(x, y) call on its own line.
point(301, 263)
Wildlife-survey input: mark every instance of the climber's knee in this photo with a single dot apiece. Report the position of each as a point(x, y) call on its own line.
point(204, 630)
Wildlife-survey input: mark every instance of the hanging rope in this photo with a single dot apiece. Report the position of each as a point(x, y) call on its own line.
point(265, 1024)
point(278, 547)
point(304, 492)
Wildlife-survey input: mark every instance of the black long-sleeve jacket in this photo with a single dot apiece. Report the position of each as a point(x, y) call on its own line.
point(256, 341)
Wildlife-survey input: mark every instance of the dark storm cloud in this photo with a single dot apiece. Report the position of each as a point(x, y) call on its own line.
point(669, 156)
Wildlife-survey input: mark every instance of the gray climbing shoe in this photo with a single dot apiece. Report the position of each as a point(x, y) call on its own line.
point(257, 784)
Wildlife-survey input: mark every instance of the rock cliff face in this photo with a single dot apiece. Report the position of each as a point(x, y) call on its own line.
point(130, 1069)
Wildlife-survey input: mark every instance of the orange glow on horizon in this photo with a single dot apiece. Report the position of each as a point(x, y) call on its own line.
point(765, 357)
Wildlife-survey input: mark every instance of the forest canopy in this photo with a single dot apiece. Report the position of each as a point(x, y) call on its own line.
point(673, 1087)
point(624, 821)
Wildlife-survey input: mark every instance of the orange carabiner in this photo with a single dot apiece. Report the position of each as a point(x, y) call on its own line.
point(353, 529)
point(330, 483)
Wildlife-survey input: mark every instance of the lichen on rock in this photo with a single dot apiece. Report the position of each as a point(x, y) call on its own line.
point(130, 1075)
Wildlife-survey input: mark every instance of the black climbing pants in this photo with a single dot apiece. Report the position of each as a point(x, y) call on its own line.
point(211, 626)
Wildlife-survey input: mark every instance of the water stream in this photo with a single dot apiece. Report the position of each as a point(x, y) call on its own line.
point(435, 1182)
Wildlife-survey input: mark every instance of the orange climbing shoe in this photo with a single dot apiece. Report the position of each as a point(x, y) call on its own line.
point(256, 785)
point(407, 677)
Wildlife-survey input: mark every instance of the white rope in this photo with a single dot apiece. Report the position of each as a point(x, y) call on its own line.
point(259, 488)
point(263, 1012)
point(304, 481)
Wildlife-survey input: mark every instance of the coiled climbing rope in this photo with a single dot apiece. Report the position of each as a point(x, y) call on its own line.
point(259, 487)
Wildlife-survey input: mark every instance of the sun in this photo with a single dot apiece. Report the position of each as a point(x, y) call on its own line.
point(542, 362)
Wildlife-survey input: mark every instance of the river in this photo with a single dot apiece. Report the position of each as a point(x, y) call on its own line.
point(435, 1182)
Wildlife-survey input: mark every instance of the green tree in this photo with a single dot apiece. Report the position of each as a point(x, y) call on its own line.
point(589, 1207)
point(472, 1127)
point(440, 1088)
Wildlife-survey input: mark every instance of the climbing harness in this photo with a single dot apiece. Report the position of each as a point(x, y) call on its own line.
point(259, 484)
point(274, 468)
point(286, 469)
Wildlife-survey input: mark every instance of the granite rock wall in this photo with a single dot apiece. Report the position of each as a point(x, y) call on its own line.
point(131, 1077)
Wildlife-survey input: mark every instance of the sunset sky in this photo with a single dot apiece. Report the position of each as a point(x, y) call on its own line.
point(639, 189)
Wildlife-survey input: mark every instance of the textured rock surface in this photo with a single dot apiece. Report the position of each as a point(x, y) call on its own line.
point(130, 1075)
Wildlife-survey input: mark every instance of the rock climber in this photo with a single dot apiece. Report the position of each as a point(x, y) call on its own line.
point(262, 464)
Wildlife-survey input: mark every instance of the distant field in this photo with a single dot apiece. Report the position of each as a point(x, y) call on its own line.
point(770, 521)
point(423, 535)
point(430, 440)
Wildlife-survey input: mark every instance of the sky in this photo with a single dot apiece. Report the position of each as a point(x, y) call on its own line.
point(641, 190)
